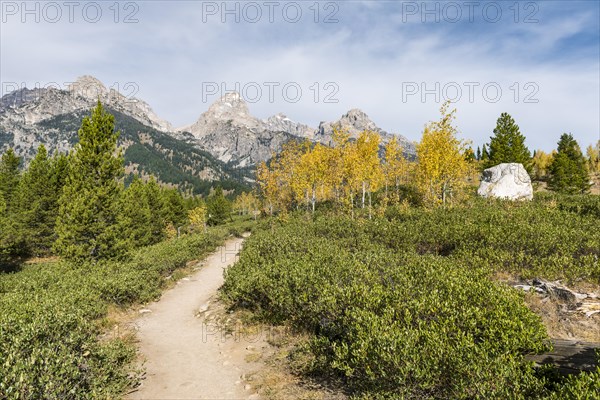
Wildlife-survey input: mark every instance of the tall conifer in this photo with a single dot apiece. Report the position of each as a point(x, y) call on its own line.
point(87, 225)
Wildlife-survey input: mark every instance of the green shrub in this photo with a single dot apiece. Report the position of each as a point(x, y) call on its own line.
point(386, 320)
point(404, 307)
point(49, 320)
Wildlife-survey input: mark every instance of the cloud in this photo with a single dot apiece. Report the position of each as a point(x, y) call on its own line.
point(372, 55)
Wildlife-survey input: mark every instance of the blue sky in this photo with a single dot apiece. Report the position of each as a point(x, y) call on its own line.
point(396, 60)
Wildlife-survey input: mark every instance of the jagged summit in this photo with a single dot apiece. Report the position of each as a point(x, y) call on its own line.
point(18, 97)
point(280, 122)
point(88, 87)
point(231, 98)
point(232, 134)
point(26, 107)
point(230, 106)
point(227, 129)
point(354, 122)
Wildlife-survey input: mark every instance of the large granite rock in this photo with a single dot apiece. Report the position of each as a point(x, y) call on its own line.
point(506, 181)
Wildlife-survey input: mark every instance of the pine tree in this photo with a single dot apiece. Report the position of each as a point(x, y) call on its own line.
point(4, 247)
point(87, 225)
point(568, 171)
point(485, 156)
point(37, 203)
point(218, 206)
point(135, 218)
point(173, 208)
point(508, 144)
point(9, 177)
point(158, 220)
point(478, 155)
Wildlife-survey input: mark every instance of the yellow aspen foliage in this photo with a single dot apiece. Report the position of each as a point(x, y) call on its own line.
point(541, 162)
point(246, 203)
point(171, 231)
point(197, 217)
point(312, 171)
point(289, 181)
point(347, 173)
point(335, 161)
point(369, 166)
point(396, 167)
point(267, 181)
point(593, 155)
point(442, 169)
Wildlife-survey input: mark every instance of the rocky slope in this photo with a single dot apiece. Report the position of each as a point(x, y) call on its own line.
point(227, 131)
point(230, 133)
point(52, 117)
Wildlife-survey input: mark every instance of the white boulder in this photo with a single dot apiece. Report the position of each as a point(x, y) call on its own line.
point(506, 181)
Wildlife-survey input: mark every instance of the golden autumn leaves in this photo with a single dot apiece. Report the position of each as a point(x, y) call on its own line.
point(442, 167)
point(351, 171)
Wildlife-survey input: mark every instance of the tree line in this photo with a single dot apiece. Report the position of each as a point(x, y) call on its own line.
point(565, 169)
point(76, 205)
point(353, 172)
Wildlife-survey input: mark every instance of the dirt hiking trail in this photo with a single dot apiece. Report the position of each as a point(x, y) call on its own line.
point(184, 357)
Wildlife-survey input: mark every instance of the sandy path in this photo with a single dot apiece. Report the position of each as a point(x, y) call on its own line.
point(184, 358)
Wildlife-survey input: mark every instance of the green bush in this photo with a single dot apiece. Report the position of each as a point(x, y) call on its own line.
point(49, 320)
point(404, 307)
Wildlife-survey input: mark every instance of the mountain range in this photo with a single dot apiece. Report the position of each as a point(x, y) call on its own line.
point(224, 144)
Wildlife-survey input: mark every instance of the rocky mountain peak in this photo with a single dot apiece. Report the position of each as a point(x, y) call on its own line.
point(354, 122)
point(277, 117)
point(359, 120)
point(230, 106)
point(88, 87)
point(18, 97)
point(31, 107)
point(281, 123)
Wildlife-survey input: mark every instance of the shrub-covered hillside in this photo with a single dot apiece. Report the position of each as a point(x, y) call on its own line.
point(405, 306)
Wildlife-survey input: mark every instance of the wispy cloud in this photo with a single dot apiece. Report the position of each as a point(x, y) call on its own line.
point(371, 54)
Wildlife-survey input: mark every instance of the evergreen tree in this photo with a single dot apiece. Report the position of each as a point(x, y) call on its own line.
point(508, 144)
point(87, 224)
point(59, 165)
point(568, 172)
point(4, 249)
point(157, 210)
point(135, 217)
point(9, 182)
point(219, 208)
point(485, 156)
point(9, 177)
point(173, 208)
point(37, 203)
point(478, 155)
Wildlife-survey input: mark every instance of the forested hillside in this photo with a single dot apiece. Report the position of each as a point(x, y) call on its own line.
point(151, 152)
